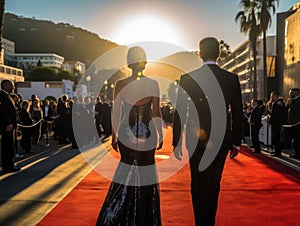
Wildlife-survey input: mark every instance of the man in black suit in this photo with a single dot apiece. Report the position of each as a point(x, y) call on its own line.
point(8, 124)
point(294, 119)
point(255, 124)
point(205, 121)
point(277, 119)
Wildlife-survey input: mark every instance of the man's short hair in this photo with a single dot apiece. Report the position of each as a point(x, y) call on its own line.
point(295, 89)
point(210, 48)
point(5, 82)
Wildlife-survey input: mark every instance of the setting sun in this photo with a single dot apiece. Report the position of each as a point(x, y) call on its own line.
point(146, 27)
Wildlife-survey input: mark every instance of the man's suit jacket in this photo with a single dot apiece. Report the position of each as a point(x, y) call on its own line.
point(294, 111)
point(278, 113)
point(256, 114)
point(50, 113)
point(8, 112)
point(191, 93)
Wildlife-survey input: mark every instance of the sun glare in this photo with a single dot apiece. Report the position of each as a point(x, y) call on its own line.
point(146, 28)
point(157, 36)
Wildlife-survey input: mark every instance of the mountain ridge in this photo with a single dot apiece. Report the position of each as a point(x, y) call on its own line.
point(42, 36)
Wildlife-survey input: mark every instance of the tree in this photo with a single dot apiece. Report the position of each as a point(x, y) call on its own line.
point(265, 21)
point(64, 75)
point(248, 20)
point(2, 9)
point(42, 74)
point(224, 50)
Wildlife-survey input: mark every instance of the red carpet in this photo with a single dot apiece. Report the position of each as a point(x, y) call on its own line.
point(256, 190)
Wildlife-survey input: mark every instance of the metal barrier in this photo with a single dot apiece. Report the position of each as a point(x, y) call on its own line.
point(37, 123)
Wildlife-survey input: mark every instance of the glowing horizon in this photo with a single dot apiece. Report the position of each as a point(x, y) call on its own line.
point(146, 27)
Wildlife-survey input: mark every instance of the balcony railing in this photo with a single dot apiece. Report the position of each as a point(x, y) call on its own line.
point(11, 73)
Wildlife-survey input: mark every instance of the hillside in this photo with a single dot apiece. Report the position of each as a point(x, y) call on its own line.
point(171, 67)
point(40, 36)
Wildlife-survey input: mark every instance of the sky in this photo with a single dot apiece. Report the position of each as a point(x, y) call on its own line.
point(180, 22)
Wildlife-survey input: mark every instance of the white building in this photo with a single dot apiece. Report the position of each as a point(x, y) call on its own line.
point(74, 67)
point(7, 72)
point(30, 60)
point(8, 46)
point(45, 89)
point(240, 62)
point(11, 73)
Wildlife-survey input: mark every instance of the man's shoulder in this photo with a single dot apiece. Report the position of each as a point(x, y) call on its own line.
point(297, 101)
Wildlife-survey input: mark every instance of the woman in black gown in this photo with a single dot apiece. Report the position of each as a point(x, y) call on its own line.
point(133, 196)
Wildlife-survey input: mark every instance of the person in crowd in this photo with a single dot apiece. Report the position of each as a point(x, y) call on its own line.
point(106, 119)
point(246, 116)
point(54, 105)
point(62, 111)
point(90, 119)
point(255, 124)
point(26, 122)
point(288, 130)
point(130, 201)
point(8, 124)
point(294, 120)
point(205, 183)
point(74, 115)
point(78, 112)
point(98, 116)
point(277, 119)
point(16, 100)
point(37, 116)
point(68, 122)
point(47, 116)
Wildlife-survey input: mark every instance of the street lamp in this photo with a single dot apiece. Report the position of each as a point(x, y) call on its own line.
point(88, 79)
point(77, 72)
point(105, 89)
point(112, 86)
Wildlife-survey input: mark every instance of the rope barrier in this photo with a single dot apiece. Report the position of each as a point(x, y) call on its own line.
point(23, 126)
point(289, 126)
point(50, 122)
point(41, 120)
point(31, 126)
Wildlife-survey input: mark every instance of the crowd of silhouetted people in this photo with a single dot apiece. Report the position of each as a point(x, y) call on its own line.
point(37, 119)
point(283, 116)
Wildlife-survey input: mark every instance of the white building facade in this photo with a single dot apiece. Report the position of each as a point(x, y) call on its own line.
point(30, 60)
point(45, 89)
point(240, 62)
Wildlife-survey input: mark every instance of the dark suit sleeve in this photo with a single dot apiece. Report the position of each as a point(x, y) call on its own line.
point(180, 113)
point(237, 113)
point(7, 113)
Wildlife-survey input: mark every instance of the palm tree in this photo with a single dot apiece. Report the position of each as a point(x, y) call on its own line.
point(2, 7)
point(265, 6)
point(248, 20)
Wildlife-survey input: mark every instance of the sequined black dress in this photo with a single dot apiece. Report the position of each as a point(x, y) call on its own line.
point(133, 196)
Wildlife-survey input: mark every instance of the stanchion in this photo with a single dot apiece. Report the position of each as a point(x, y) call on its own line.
point(47, 140)
point(47, 129)
point(41, 120)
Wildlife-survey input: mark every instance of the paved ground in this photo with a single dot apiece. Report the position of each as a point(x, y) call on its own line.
point(285, 159)
point(50, 173)
point(46, 177)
